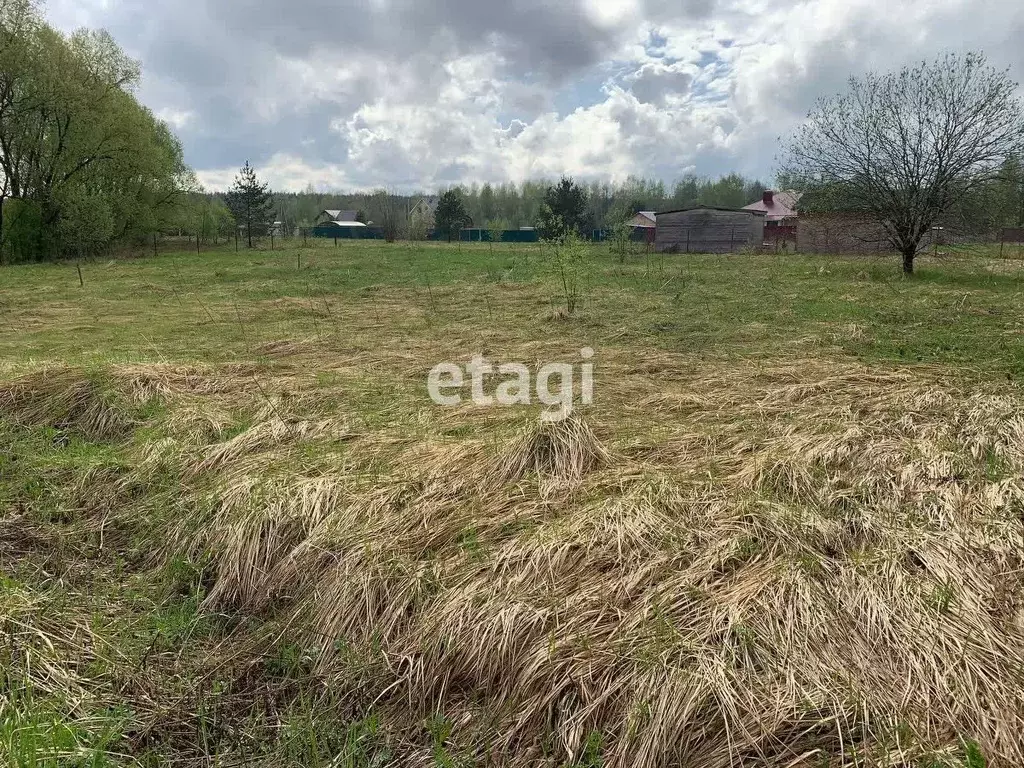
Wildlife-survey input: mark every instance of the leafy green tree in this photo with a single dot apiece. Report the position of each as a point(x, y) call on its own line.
point(251, 203)
point(21, 223)
point(619, 240)
point(78, 209)
point(451, 214)
point(74, 141)
point(564, 209)
point(571, 264)
point(729, 191)
point(486, 204)
point(223, 222)
point(206, 216)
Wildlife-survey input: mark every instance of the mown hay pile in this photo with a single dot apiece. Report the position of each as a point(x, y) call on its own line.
point(803, 565)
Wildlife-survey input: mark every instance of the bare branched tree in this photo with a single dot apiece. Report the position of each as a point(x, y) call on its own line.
point(388, 211)
point(903, 148)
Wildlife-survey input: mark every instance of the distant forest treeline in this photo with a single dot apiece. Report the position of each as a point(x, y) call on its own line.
point(998, 203)
point(518, 205)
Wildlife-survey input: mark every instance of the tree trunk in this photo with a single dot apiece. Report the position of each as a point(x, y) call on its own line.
point(908, 261)
point(48, 241)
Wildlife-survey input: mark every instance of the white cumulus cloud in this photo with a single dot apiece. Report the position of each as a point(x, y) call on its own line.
point(417, 94)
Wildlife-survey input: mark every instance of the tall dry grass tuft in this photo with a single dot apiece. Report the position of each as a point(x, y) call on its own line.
point(198, 423)
point(38, 641)
point(66, 398)
point(142, 382)
point(258, 525)
point(562, 451)
point(102, 404)
point(272, 434)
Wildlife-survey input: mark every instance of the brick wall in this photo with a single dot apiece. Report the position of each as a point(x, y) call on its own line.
point(840, 233)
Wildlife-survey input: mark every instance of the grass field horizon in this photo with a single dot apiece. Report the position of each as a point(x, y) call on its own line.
point(237, 531)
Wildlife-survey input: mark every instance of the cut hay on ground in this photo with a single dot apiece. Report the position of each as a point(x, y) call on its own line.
point(813, 567)
point(789, 566)
point(101, 404)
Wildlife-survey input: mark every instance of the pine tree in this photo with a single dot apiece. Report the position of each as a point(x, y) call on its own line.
point(564, 210)
point(252, 203)
point(451, 214)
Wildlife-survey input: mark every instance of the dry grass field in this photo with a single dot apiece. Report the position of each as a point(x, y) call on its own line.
point(235, 530)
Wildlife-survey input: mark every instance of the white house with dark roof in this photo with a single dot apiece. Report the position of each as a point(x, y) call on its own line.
point(424, 209)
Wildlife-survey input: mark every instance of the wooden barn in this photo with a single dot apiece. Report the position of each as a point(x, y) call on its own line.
point(705, 229)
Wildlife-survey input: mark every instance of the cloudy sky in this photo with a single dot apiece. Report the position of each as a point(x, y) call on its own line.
point(419, 94)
